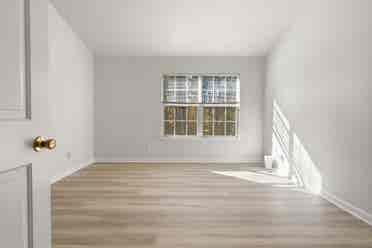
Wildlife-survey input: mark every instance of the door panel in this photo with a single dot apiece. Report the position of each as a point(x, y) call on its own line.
point(24, 69)
point(14, 62)
point(15, 197)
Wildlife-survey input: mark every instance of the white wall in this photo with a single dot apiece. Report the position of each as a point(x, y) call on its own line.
point(71, 93)
point(320, 74)
point(128, 111)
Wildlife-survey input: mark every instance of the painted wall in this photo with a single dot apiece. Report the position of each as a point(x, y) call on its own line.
point(71, 89)
point(128, 110)
point(320, 74)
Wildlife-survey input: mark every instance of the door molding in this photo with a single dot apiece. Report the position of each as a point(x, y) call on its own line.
point(22, 176)
point(21, 110)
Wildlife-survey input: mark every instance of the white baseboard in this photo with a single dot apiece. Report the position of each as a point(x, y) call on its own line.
point(348, 207)
point(71, 171)
point(167, 160)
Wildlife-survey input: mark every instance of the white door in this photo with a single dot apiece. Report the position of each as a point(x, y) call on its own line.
point(24, 113)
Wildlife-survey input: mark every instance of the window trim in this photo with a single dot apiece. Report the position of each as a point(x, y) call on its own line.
point(199, 121)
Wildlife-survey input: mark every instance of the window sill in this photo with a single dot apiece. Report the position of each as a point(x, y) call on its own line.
point(201, 138)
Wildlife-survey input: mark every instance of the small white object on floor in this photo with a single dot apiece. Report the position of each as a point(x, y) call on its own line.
point(268, 162)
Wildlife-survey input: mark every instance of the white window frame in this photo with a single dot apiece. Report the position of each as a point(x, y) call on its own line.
point(200, 108)
point(237, 119)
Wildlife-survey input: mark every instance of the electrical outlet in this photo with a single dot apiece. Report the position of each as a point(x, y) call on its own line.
point(68, 155)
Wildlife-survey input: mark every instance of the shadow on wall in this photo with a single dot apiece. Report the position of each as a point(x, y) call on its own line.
point(290, 155)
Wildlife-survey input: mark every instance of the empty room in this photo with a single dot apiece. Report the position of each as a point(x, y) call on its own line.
point(198, 123)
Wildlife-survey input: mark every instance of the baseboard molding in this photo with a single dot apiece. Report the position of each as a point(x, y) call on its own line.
point(167, 160)
point(348, 207)
point(71, 171)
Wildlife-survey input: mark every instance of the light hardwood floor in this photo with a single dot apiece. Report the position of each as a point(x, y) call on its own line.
point(194, 206)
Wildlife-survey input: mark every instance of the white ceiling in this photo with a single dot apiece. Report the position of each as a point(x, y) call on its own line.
point(179, 27)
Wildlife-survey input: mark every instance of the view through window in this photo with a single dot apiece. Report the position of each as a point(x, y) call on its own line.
point(201, 105)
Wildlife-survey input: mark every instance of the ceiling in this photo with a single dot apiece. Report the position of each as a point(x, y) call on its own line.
point(179, 27)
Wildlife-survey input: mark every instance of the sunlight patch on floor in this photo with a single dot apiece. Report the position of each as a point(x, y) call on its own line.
point(262, 177)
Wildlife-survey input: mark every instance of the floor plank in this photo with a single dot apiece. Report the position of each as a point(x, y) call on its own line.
point(195, 205)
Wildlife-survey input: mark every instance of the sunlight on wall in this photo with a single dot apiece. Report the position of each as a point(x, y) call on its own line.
point(290, 155)
point(281, 160)
point(310, 174)
point(281, 141)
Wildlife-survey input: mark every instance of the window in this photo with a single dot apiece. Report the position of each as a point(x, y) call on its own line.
point(201, 105)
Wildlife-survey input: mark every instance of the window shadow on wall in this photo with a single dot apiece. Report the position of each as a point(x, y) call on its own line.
point(309, 172)
point(290, 155)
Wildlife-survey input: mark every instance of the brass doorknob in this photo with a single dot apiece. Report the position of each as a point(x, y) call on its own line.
point(41, 143)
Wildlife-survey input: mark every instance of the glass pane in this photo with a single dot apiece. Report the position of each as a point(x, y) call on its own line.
point(208, 89)
point(169, 82)
point(193, 83)
point(219, 96)
point(207, 128)
point(191, 128)
point(219, 114)
point(232, 90)
point(169, 113)
point(219, 89)
point(169, 128)
point(208, 114)
point(230, 129)
point(220, 83)
point(180, 128)
point(180, 113)
point(181, 96)
point(231, 96)
point(219, 128)
point(181, 82)
point(169, 95)
point(191, 113)
point(193, 96)
point(231, 114)
point(231, 83)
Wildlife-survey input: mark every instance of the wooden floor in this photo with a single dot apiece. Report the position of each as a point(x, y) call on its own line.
point(192, 206)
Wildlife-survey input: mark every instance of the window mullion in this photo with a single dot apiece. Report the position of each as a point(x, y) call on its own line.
point(187, 90)
point(213, 116)
point(213, 90)
point(225, 95)
point(200, 86)
point(225, 100)
point(175, 109)
point(213, 100)
point(200, 110)
point(224, 131)
point(174, 115)
point(200, 120)
point(174, 122)
point(187, 123)
point(237, 122)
